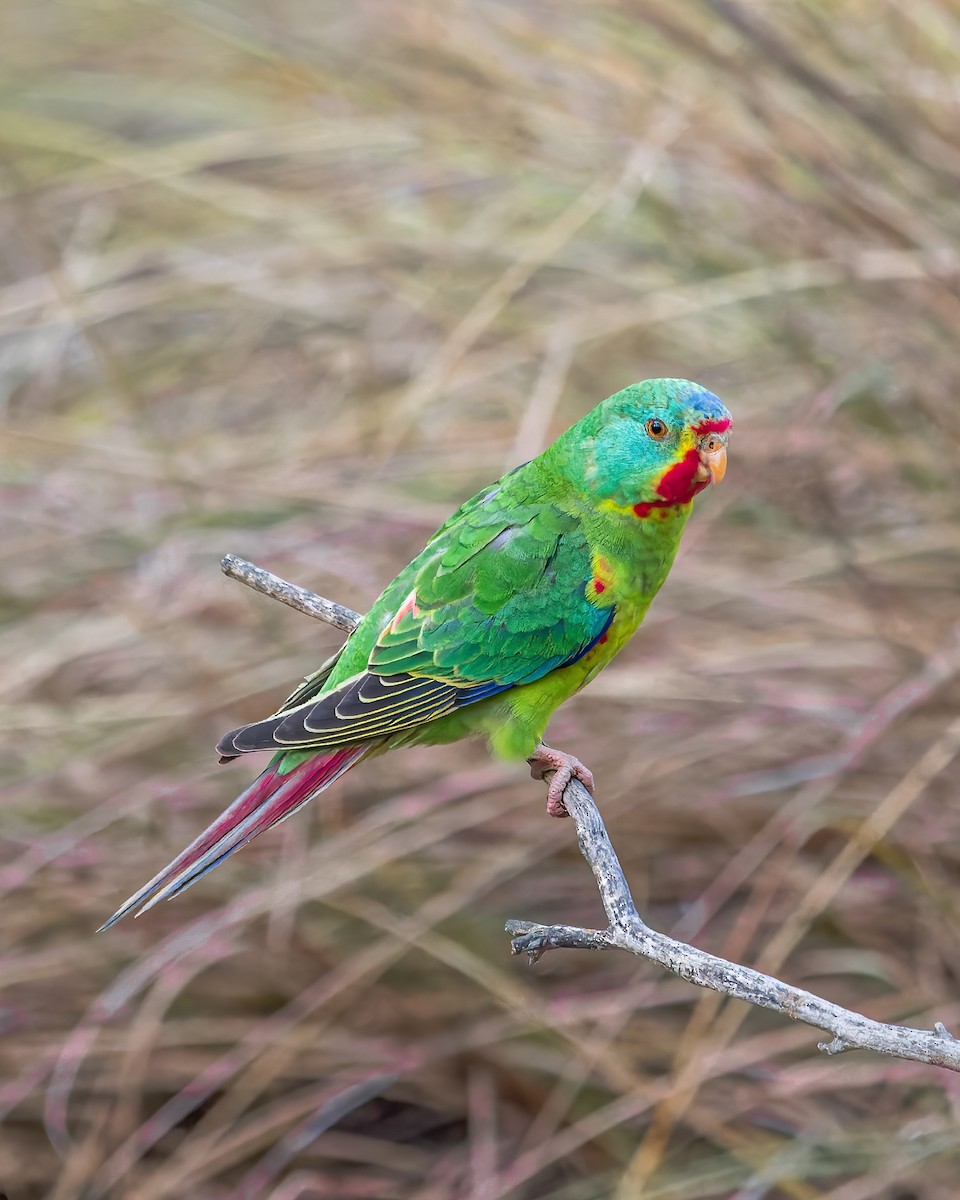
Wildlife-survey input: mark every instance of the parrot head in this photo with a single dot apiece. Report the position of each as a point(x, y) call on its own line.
point(654, 445)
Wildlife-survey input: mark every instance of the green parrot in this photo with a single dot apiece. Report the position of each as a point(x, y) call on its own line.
point(514, 604)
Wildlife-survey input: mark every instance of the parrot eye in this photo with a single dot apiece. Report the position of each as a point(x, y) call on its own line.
point(657, 428)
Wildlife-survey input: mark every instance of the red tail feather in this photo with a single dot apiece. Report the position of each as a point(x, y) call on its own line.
point(269, 799)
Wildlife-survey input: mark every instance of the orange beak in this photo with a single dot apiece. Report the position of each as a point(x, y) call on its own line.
point(712, 450)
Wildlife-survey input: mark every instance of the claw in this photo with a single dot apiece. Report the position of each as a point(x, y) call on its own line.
point(566, 767)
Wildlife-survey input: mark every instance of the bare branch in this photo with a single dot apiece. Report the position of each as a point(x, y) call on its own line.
point(299, 598)
point(535, 940)
point(627, 931)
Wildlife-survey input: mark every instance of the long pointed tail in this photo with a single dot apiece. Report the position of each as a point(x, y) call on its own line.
point(271, 797)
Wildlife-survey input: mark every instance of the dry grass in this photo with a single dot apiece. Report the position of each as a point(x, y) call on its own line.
point(290, 281)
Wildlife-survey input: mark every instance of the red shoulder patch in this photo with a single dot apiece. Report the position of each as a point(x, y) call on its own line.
point(408, 606)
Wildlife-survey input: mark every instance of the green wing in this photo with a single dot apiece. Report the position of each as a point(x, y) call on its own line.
point(502, 602)
point(497, 599)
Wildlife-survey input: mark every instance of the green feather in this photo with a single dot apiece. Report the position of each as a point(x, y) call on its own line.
point(502, 596)
point(515, 603)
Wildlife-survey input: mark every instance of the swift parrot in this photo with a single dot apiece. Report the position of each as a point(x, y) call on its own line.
point(514, 604)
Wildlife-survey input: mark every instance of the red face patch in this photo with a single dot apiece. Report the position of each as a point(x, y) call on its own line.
point(717, 425)
point(679, 485)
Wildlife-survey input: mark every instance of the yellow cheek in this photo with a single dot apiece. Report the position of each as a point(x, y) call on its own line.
point(611, 506)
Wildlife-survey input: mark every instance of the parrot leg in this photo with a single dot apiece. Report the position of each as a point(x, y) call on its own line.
point(544, 759)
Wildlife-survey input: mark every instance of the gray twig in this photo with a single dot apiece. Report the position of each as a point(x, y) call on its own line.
point(310, 604)
point(850, 1030)
point(626, 929)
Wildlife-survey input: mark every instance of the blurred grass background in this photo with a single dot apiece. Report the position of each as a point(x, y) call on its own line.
point(291, 280)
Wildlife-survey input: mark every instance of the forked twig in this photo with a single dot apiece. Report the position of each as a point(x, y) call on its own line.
point(627, 931)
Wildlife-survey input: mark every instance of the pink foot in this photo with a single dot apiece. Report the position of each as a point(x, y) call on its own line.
point(566, 767)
